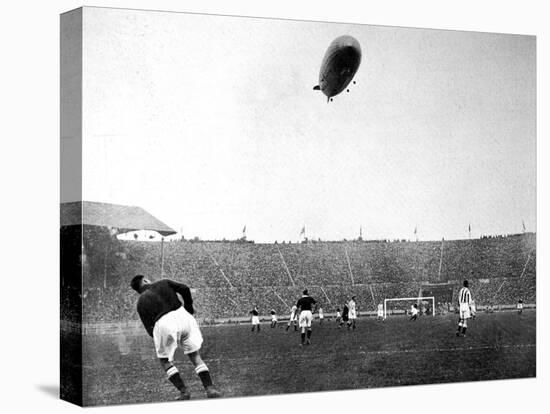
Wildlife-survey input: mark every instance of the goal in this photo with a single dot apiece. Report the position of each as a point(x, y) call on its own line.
point(407, 303)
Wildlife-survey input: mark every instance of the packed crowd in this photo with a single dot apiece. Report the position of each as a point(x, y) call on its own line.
point(228, 279)
point(118, 304)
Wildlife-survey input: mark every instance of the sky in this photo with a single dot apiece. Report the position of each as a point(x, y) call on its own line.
point(210, 123)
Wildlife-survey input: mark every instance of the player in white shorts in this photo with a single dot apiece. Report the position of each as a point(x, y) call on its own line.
point(520, 306)
point(352, 316)
point(172, 325)
point(380, 313)
point(175, 328)
point(255, 319)
point(293, 320)
point(305, 305)
point(338, 318)
point(414, 312)
point(273, 318)
point(464, 303)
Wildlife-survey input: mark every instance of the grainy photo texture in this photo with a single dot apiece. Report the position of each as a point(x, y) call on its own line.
point(253, 206)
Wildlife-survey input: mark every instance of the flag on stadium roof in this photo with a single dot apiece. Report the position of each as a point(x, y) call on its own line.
point(113, 216)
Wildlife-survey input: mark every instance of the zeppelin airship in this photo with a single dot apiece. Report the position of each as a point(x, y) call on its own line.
point(339, 65)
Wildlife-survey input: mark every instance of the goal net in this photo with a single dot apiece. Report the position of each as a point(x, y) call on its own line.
point(400, 306)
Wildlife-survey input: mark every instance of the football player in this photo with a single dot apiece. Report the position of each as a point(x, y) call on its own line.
point(293, 318)
point(172, 325)
point(414, 312)
point(352, 313)
point(273, 318)
point(255, 318)
point(464, 303)
point(306, 306)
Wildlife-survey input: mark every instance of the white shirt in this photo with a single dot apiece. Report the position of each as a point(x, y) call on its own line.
point(293, 311)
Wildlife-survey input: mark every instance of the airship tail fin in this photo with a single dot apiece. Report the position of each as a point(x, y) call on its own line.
point(316, 88)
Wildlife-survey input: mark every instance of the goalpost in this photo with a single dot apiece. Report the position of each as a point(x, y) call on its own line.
point(417, 299)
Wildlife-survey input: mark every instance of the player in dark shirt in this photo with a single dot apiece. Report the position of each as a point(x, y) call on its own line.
point(159, 298)
point(171, 325)
point(345, 313)
point(338, 317)
point(306, 306)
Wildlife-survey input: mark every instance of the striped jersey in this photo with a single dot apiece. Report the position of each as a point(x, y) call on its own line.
point(464, 296)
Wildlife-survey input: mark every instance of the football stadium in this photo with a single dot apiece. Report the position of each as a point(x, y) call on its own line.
point(302, 134)
point(229, 278)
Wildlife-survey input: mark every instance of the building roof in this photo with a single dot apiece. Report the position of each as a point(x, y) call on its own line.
point(121, 217)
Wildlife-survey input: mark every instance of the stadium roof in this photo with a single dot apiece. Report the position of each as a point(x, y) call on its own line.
point(123, 218)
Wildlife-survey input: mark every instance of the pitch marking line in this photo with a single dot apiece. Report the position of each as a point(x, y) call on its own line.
point(306, 355)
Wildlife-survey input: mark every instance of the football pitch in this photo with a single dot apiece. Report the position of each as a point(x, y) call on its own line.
point(122, 369)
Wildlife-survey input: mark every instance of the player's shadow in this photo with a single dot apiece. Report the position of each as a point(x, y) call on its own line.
point(49, 389)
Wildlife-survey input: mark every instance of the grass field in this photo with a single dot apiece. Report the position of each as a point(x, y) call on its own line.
point(122, 369)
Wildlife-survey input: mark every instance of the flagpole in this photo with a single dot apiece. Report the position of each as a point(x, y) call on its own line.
point(303, 232)
point(105, 264)
point(162, 257)
point(440, 261)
